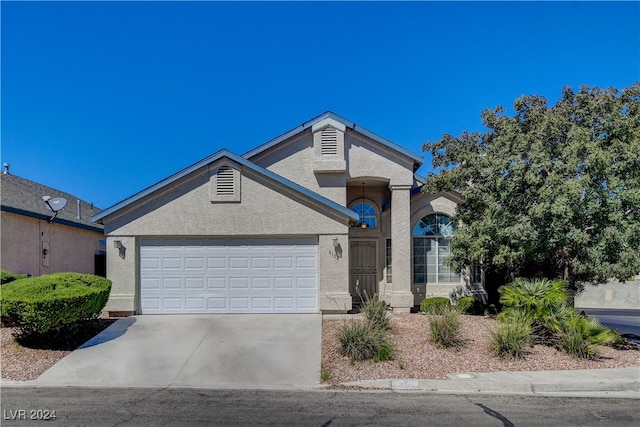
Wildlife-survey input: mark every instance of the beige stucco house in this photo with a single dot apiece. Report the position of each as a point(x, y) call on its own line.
point(307, 222)
point(34, 242)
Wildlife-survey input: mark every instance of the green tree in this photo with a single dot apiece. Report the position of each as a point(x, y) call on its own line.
point(551, 191)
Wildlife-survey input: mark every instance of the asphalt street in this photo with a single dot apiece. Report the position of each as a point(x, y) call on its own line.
point(178, 407)
point(625, 321)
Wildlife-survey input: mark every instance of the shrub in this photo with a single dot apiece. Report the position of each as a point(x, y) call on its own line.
point(510, 340)
point(538, 295)
point(434, 305)
point(575, 344)
point(7, 276)
point(53, 302)
point(360, 340)
point(470, 305)
point(542, 305)
point(377, 313)
point(580, 336)
point(445, 327)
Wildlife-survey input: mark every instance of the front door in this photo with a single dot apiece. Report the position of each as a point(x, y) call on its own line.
point(363, 277)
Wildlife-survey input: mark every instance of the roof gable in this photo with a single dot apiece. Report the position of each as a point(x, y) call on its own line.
point(237, 159)
point(417, 158)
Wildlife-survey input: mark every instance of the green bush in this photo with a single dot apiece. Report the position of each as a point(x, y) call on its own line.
point(377, 313)
point(470, 305)
point(53, 302)
point(360, 340)
point(434, 305)
point(445, 327)
point(7, 276)
point(542, 306)
point(580, 336)
point(539, 296)
point(510, 341)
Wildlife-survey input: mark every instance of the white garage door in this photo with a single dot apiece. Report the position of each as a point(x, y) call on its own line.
point(230, 276)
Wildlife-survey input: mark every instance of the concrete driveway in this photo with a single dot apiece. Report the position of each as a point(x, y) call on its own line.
point(209, 351)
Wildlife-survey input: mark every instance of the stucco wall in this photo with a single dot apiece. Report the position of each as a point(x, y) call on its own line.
point(69, 248)
point(294, 160)
point(265, 210)
point(366, 158)
point(613, 295)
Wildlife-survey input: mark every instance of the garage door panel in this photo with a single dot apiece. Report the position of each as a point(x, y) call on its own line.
point(172, 283)
point(193, 263)
point(216, 282)
point(194, 283)
point(228, 278)
point(217, 263)
point(194, 303)
point(152, 283)
point(171, 263)
point(260, 283)
point(283, 262)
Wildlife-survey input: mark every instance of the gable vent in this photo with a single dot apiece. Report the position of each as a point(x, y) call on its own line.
point(224, 184)
point(329, 141)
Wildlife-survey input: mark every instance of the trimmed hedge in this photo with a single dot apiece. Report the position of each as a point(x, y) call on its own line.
point(53, 302)
point(434, 305)
point(7, 276)
point(470, 305)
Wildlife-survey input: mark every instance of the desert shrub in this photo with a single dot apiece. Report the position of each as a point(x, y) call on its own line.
point(510, 341)
point(445, 327)
point(580, 336)
point(376, 312)
point(575, 344)
point(543, 306)
point(53, 302)
point(434, 305)
point(360, 340)
point(539, 295)
point(470, 305)
point(7, 277)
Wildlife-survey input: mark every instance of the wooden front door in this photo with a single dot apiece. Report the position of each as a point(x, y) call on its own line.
point(363, 269)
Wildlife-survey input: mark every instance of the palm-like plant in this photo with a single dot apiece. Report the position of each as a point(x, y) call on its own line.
point(537, 295)
point(542, 305)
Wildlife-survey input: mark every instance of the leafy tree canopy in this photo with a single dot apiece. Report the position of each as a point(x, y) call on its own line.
point(550, 192)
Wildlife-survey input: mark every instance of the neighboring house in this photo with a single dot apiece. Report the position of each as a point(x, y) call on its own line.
point(34, 244)
point(309, 221)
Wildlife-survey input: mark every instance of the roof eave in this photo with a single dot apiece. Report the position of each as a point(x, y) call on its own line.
point(417, 158)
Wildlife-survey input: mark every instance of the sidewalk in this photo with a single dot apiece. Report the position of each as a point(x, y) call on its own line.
point(611, 383)
point(623, 382)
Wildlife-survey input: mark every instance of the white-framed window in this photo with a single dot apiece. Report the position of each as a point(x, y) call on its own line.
point(368, 215)
point(431, 246)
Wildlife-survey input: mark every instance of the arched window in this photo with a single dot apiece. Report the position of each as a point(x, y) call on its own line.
point(431, 246)
point(368, 218)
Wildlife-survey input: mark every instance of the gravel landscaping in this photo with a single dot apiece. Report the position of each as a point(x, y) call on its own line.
point(27, 362)
point(414, 355)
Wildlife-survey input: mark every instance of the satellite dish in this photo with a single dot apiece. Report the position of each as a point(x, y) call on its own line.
point(55, 204)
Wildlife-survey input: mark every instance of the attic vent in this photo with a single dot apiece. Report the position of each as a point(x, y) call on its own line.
point(225, 182)
point(329, 141)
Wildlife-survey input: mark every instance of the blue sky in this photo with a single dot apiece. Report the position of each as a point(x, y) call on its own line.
point(103, 99)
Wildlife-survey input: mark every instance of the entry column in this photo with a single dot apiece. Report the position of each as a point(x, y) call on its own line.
point(401, 297)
